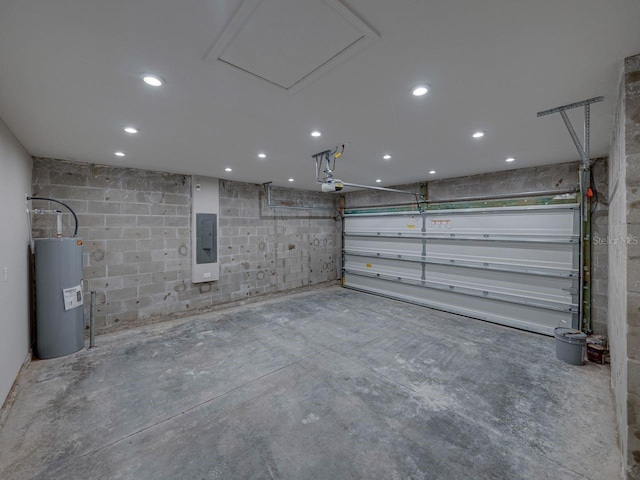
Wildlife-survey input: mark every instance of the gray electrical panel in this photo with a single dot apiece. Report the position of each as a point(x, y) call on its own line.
point(206, 238)
point(59, 301)
point(205, 212)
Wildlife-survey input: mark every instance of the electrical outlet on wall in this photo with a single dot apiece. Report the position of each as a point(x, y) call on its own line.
point(5, 272)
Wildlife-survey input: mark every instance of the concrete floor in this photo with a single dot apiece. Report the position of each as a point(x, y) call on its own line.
point(327, 384)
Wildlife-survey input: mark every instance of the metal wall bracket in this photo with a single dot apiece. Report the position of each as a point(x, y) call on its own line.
point(585, 202)
point(583, 150)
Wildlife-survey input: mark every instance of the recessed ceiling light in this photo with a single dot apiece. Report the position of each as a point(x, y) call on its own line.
point(478, 134)
point(432, 172)
point(152, 80)
point(227, 169)
point(420, 90)
point(378, 180)
point(316, 133)
point(131, 130)
point(119, 154)
point(387, 157)
point(291, 179)
point(510, 159)
point(262, 155)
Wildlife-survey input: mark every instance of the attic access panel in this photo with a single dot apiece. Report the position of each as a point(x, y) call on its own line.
point(290, 43)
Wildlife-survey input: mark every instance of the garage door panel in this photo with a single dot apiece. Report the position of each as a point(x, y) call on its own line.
point(481, 258)
point(408, 246)
point(392, 223)
point(383, 266)
point(514, 315)
point(546, 255)
point(498, 221)
point(507, 220)
point(554, 258)
point(552, 289)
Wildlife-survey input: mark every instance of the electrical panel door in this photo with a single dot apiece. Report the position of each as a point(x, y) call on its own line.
point(206, 238)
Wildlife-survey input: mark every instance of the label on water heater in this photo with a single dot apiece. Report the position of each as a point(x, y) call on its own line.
point(72, 297)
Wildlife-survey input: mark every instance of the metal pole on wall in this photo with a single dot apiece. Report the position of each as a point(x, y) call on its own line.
point(585, 203)
point(92, 321)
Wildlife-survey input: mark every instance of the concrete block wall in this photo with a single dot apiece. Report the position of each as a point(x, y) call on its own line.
point(600, 249)
point(136, 227)
point(624, 265)
point(548, 177)
point(272, 249)
point(617, 281)
point(517, 180)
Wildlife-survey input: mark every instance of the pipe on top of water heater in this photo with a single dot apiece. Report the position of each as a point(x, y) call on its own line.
point(75, 217)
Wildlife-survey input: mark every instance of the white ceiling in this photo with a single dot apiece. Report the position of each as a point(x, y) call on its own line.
point(70, 81)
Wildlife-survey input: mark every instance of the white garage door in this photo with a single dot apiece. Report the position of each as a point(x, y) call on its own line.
point(517, 266)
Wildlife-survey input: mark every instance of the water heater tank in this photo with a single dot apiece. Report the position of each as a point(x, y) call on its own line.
point(59, 301)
